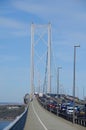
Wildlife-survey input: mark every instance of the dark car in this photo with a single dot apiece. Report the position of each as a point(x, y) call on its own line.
point(52, 106)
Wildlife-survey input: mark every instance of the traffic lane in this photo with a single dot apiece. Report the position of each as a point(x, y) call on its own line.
point(53, 122)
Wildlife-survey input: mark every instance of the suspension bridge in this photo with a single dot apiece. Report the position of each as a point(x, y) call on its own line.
point(38, 118)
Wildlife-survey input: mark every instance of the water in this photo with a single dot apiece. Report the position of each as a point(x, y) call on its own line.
point(3, 124)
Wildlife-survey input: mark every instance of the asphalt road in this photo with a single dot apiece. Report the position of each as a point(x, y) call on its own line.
point(40, 119)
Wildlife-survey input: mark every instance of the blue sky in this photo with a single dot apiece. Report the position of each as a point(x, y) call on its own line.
point(68, 20)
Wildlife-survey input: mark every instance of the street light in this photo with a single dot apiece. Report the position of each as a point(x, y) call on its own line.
point(74, 82)
point(58, 86)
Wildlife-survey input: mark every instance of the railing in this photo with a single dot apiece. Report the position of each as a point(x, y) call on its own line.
point(18, 123)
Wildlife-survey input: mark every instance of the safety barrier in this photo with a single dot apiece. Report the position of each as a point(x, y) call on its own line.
point(19, 122)
point(81, 121)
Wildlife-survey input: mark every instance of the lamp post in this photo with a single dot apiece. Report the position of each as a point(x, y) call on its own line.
point(58, 86)
point(74, 82)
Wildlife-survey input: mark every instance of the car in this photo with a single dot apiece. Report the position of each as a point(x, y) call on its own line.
point(69, 111)
point(52, 106)
point(82, 112)
point(62, 109)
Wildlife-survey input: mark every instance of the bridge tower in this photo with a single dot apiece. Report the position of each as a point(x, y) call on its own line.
point(45, 38)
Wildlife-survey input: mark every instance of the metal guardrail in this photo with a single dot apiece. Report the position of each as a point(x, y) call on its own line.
point(18, 123)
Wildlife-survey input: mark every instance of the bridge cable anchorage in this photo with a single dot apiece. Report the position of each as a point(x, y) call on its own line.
point(45, 128)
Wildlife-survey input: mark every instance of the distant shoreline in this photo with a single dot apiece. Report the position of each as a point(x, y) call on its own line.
point(10, 112)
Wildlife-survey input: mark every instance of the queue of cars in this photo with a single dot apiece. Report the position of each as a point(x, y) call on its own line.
point(62, 107)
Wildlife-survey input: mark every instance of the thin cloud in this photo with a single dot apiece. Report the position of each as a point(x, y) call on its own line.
point(10, 23)
point(13, 28)
point(30, 7)
point(48, 8)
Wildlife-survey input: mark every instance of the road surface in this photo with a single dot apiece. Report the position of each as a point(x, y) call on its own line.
point(39, 118)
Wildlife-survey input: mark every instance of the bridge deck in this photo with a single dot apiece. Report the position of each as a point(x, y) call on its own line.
point(40, 119)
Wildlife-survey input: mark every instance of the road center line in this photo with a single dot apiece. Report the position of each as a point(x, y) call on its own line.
point(39, 118)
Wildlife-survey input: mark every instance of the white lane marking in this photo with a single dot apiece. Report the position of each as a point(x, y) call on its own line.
point(39, 118)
